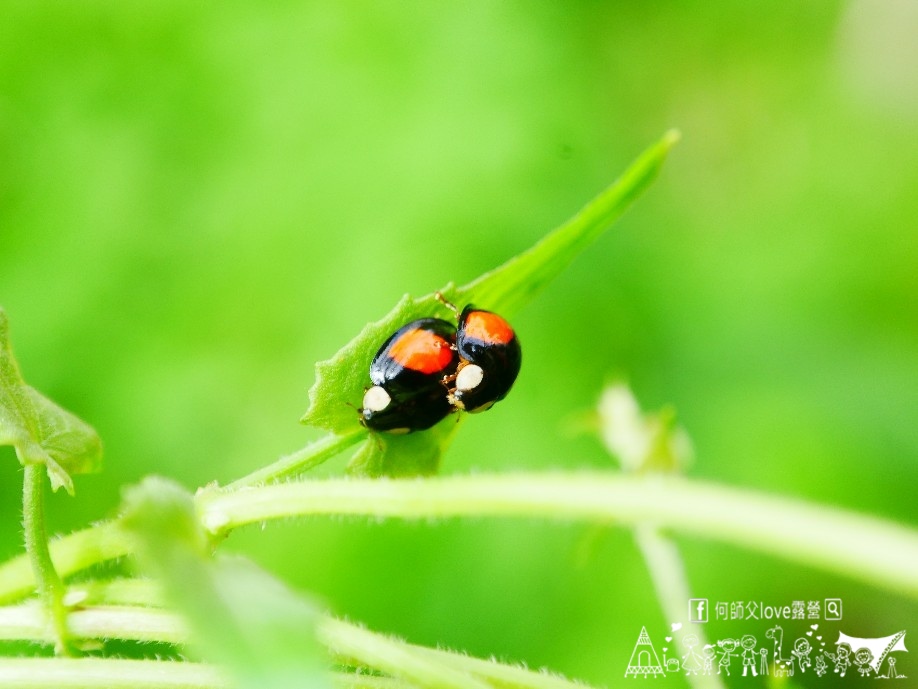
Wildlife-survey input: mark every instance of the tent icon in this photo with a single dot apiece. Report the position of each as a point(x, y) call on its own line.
point(879, 647)
point(644, 659)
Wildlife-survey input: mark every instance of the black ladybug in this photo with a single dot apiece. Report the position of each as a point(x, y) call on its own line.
point(489, 360)
point(408, 374)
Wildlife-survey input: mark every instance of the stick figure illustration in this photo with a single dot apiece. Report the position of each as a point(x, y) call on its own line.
point(708, 653)
point(728, 648)
point(862, 659)
point(763, 662)
point(841, 658)
point(691, 661)
point(749, 654)
point(801, 652)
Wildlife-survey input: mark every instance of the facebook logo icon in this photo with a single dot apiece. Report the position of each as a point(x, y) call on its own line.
point(698, 609)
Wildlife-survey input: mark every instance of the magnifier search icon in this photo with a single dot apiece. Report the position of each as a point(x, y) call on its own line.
point(833, 608)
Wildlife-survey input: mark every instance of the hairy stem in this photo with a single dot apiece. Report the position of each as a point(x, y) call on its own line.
point(49, 584)
point(300, 461)
point(122, 591)
point(70, 554)
point(363, 643)
point(348, 643)
point(25, 623)
point(876, 551)
point(111, 673)
point(499, 674)
point(116, 673)
point(107, 541)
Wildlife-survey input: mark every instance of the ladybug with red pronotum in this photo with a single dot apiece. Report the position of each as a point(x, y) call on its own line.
point(489, 360)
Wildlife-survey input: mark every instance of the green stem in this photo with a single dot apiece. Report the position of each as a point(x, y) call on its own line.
point(346, 641)
point(364, 644)
point(114, 673)
point(876, 551)
point(111, 673)
point(394, 657)
point(26, 623)
point(146, 593)
point(49, 584)
point(499, 674)
point(667, 571)
point(300, 461)
point(71, 553)
point(107, 541)
point(356, 680)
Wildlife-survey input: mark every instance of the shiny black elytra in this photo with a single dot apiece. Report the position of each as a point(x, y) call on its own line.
point(489, 360)
point(408, 374)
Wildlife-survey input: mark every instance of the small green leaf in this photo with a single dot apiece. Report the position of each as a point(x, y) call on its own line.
point(240, 616)
point(415, 454)
point(39, 430)
point(341, 380)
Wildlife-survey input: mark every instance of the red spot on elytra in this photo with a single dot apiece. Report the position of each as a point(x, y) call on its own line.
point(423, 351)
point(488, 327)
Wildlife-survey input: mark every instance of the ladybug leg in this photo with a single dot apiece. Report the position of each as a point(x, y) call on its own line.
point(448, 304)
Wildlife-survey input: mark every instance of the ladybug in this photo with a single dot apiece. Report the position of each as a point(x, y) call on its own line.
point(489, 360)
point(408, 375)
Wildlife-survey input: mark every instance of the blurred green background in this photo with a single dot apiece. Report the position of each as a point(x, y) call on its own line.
point(198, 201)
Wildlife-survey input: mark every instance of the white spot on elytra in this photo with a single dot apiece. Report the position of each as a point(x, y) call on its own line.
point(469, 377)
point(376, 399)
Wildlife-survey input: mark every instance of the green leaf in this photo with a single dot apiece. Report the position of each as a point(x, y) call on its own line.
point(514, 284)
point(39, 430)
point(416, 454)
point(341, 380)
point(240, 616)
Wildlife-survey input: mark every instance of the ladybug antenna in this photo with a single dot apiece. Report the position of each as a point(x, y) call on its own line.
point(448, 304)
point(359, 412)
